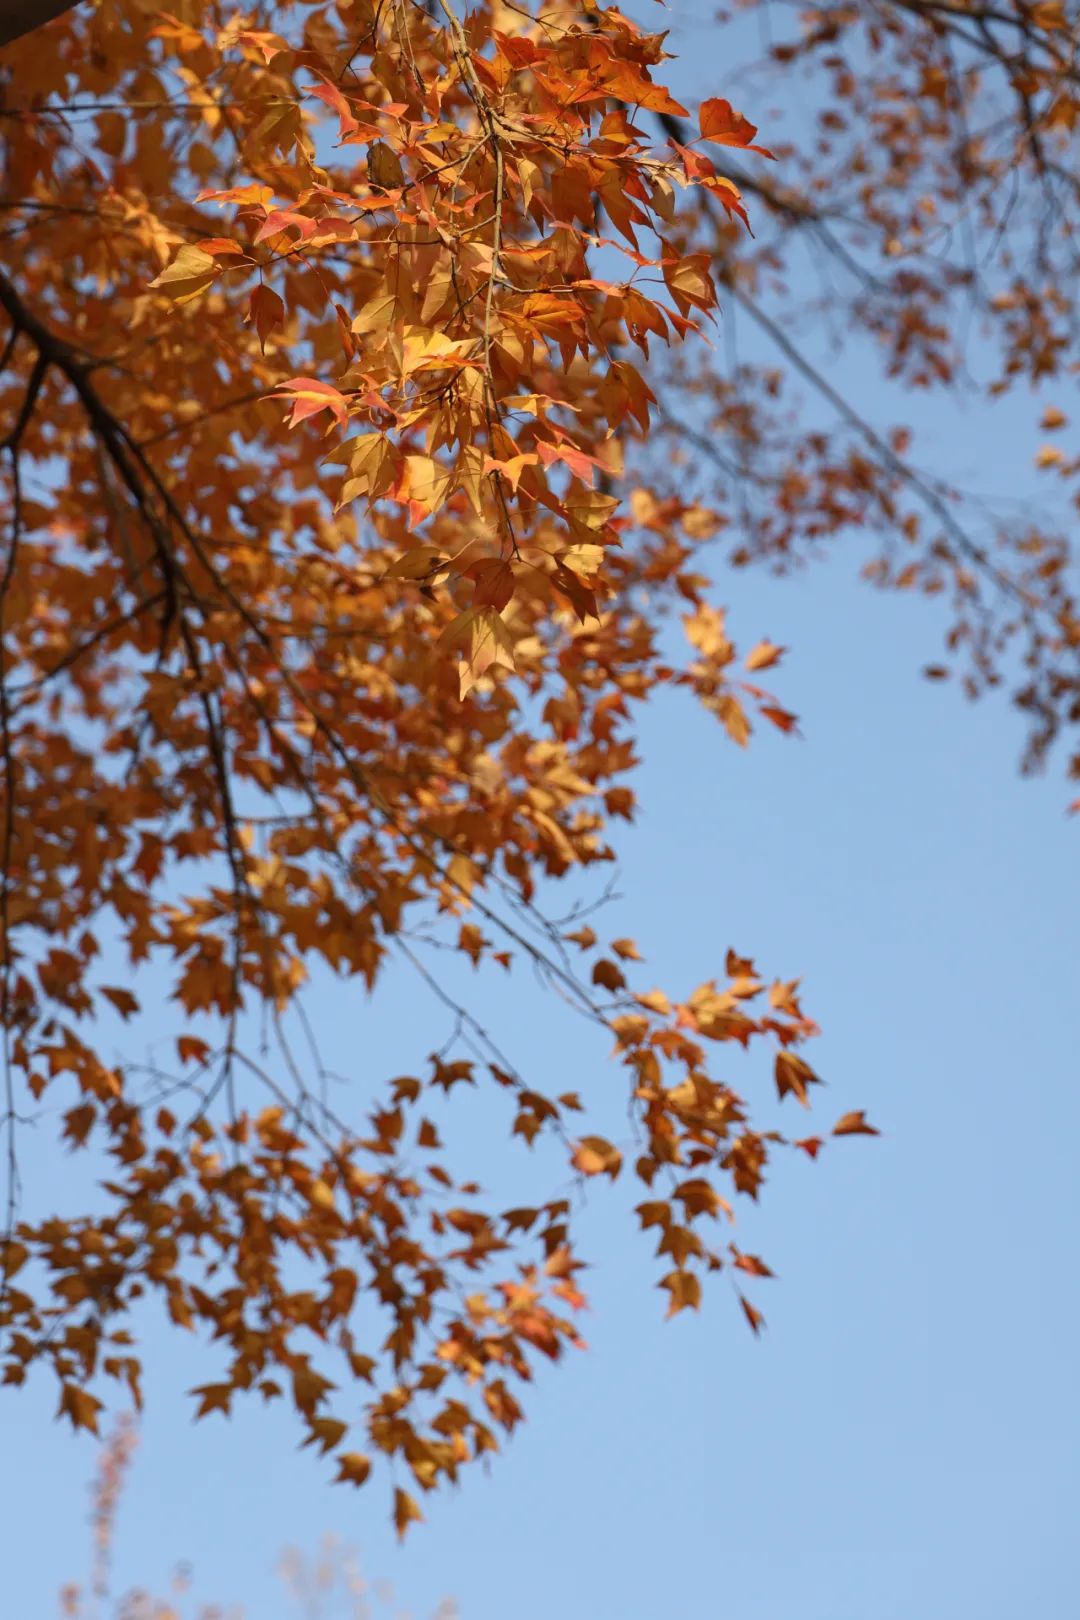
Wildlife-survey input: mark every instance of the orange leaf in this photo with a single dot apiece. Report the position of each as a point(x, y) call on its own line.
point(780, 717)
point(608, 976)
point(309, 396)
point(752, 1314)
point(810, 1145)
point(595, 1156)
point(751, 1264)
point(123, 1000)
point(763, 655)
point(494, 583)
point(684, 1290)
point(405, 1511)
point(80, 1406)
point(854, 1124)
point(215, 1398)
point(354, 1468)
point(794, 1074)
point(191, 1049)
point(719, 122)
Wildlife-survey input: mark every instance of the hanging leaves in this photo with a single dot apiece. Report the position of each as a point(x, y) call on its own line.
point(361, 456)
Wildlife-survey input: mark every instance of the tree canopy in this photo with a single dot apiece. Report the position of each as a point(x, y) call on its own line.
point(365, 465)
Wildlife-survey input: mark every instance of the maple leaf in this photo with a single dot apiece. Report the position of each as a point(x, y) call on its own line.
point(214, 1398)
point(854, 1124)
point(123, 1000)
point(595, 1156)
point(422, 563)
point(719, 122)
point(608, 975)
point(494, 583)
point(309, 396)
point(354, 1468)
point(752, 1314)
point(751, 1264)
point(13, 1257)
point(384, 167)
point(239, 751)
point(794, 1075)
point(189, 274)
point(406, 1511)
point(780, 718)
point(684, 1291)
point(190, 1049)
point(326, 1433)
point(486, 641)
point(763, 656)
point(80, 1406)
point(266, 312)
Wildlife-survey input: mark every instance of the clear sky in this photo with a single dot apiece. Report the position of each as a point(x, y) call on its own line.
point(904, 1438)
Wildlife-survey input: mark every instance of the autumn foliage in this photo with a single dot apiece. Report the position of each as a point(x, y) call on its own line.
point(362, 455)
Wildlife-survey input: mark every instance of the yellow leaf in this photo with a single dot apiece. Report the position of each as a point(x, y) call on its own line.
point(487, 643)
point(417, 564)
point(763, 655)
point(322, 1196)
point(584, 560)
point(190, 273)
point(688, 280)
point(376, 313)
point(429, 481)
point(733, 715)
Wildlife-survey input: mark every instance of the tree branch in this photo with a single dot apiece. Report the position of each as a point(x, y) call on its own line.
point(19, 17)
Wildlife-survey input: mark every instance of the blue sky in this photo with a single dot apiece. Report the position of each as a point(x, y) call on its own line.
point(904, 1437)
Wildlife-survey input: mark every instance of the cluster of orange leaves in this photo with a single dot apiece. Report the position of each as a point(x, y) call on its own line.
point(277, 694)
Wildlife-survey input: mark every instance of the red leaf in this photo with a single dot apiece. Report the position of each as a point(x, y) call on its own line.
point(752, 1314)
point(309, 396)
